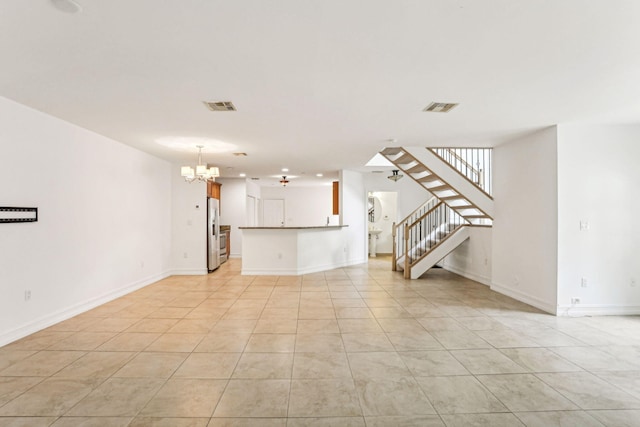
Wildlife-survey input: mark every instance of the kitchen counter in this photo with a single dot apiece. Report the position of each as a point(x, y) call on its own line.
point(294, 228)
point(293, 250)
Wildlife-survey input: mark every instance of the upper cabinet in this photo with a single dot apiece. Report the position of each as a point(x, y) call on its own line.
point(213, 190)
point(336, 198)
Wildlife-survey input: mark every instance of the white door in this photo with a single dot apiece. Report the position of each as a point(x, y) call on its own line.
point(273, 213)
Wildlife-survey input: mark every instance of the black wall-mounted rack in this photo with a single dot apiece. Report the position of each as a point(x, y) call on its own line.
point(9, 214)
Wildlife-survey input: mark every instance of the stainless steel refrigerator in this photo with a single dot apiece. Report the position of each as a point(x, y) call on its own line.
point(213, 234)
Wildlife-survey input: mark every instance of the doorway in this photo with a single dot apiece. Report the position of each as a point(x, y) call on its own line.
point(273, 213)
point(382, 212)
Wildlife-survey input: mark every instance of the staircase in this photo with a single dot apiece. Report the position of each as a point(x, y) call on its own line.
point(439, 226)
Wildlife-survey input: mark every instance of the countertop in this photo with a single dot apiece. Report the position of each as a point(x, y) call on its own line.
point(295, 228)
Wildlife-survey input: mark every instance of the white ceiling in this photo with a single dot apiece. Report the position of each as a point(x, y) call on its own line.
point(321, 85)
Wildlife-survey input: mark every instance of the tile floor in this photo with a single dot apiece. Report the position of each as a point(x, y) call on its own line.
point(357, 346)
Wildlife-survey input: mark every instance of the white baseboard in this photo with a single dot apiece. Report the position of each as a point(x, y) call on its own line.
point(597, 310)
point(189, 272)
point(525, 298)
point(67, 313)
point(472, 276)
point(299, 271)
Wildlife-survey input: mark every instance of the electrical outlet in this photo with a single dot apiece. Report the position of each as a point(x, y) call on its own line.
point(186, 255)
point(27, 295)
point(632, 283)
point(583, 282)
point(279, 255)
point(575, 301)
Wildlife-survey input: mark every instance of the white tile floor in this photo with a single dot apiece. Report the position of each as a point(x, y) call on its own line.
point(357, 346)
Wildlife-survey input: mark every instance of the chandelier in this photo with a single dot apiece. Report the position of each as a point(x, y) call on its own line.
point(201, 172)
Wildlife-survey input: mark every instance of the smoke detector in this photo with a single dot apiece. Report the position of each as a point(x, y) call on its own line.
point(439, 107)
point(220, 106)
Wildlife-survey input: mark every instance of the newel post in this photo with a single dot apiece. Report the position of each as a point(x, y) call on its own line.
point(394, 252)
point(407, 273)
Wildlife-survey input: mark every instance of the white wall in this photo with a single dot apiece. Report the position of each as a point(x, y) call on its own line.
point(104, 220)
point(473, 259)
point(303, 206)
point(598, 183)
point(411, 195)
point(525, 226)
point(353, 212)
point(188, 226)
point(233, 210)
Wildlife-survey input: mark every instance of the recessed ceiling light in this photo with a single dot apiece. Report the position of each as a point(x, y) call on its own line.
point(439, 107)
point(285, 169)
point(319, 175)
point(242, 175)
point(220, 106)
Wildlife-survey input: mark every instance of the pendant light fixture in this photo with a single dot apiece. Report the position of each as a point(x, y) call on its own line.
point(284, 181)
point(201, 172)
point(395, 177)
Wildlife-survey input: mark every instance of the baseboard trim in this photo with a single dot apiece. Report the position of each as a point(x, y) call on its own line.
point(299, 271)
point(525, 298)
point(597, 310)
point(471, 276)
point(189, 272)
point(64, 314)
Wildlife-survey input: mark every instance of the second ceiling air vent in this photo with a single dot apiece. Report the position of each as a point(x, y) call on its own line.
point(220, 106)
point(439, 107)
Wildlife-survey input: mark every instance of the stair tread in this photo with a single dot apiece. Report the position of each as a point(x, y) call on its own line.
point(391, 151)
point(404, 159)
point(417, 168)
point(476, 216)
point(440, 187)
point(429, 178)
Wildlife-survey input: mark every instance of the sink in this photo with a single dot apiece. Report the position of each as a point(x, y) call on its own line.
point(373, 241)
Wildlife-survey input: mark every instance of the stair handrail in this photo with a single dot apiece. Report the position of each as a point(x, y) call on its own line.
point(483, 175)
point(396, 237)
point(464, 162)
point(423, 216)
point(429, 233)
point(433, 201)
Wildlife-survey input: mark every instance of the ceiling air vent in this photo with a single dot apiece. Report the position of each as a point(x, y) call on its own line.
point(220, 106)
point(439, 107)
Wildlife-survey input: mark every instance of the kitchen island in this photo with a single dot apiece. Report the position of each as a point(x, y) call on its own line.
point(293, 250)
